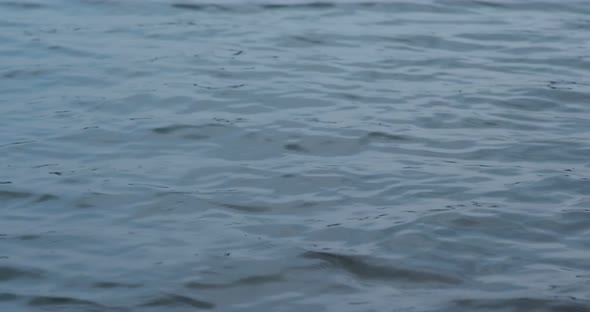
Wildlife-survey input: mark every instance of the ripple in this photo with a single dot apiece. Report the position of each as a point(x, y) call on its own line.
point(308, 155)
point(177, 300)
point(359, 267)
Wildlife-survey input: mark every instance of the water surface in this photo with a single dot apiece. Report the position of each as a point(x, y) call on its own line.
point(294, 156)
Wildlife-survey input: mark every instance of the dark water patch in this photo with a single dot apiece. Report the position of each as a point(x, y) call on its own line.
point(9, 297)
point(29, 237)
point(111, 285)
point(50, 302)
point(249, 281)
point(309, 5)
point(19, 195)
point(188, 6)
point(23, 74)
point(172, 129)
point(178, 300)
point(196, 132)
point(12, 273)
point(13, 195)
point(45, 165)
point(315, 6)
point(491, 4)
point(200, 6)
point(205, 286)
point(46, 197)
point(319, 145)
point(383, 136)
point(260, 279)
point(564, 84)
point(360, 268)
point(22, 5)
point(245, 208)
point(294, 147)
point(235, 86)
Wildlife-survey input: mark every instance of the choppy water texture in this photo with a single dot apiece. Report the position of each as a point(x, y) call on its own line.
point(281, 156)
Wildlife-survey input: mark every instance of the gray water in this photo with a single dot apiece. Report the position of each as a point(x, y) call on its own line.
point(293, 156)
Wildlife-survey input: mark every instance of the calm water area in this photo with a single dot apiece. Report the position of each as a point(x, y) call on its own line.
point(401, 156)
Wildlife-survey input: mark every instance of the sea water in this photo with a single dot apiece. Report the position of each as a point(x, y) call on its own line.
point(294, 156)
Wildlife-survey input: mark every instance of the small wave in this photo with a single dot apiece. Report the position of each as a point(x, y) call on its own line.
point(361, 268)
point(178, 300)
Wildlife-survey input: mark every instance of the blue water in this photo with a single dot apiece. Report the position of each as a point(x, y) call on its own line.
point(294, 156)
